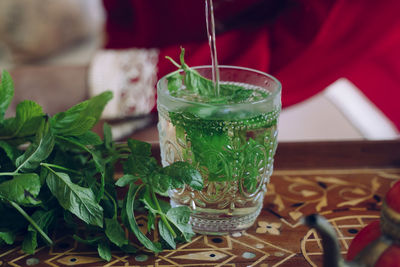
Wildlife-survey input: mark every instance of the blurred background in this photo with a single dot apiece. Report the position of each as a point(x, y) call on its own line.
point(338, 60)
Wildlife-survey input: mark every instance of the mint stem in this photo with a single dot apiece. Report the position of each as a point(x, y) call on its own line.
point(173, 62)
point(100, 195)
point(114, 203)
point(8, 173)
point(59, 167)
point(32, 222)
point(162, 215)
point(132, 192)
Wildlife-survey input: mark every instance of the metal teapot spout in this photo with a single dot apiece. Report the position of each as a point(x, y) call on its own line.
point(330, 243)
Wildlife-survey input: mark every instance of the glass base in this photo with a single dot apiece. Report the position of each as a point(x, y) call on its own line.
point(209, 225)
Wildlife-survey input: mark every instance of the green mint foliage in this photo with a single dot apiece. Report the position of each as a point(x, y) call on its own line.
point(174, 82)
point(115, 232)
point(190, 81)
point(108, 142)
point(80, 118)
point(11, 151)
point(139, 149)
point(38, 151)
point(126, 180)
point(22, 189)
point(143, 239)
point(43, 219)
point(183, 173)
point(7, 237)
point(180, 219)
point(90, 241)
point(157, 180)
point(6, 93)
point(103, 248)
point(66, 174)
point(88, 138)
point(78, 200)
point(166, 234)
point(30, 242)
point(27, 118)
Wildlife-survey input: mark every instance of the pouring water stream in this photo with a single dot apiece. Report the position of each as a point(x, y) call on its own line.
point(212, 42)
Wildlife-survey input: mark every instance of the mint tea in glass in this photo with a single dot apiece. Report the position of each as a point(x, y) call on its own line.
point(229, 136)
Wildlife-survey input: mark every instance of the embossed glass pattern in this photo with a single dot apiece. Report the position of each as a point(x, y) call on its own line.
point(232, 145)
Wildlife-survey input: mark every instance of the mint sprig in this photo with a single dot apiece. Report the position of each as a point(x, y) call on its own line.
point(66, 174)
point(158, 180)
point(188, 81)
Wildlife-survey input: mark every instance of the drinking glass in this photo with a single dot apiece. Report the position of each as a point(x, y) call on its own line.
point(231, 145)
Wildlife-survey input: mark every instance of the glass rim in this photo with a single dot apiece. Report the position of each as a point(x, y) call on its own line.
point(271, 97)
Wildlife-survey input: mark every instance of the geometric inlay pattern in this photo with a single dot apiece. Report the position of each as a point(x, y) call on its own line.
point(349, 198)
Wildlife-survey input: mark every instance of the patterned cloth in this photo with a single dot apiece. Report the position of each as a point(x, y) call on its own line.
point(130, 75)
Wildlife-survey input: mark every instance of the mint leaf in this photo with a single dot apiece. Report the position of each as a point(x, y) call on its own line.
point(184, 172)
point(195, 84)
point(235, 93)
point(132, 192)
point(6, 93)
point(22, 189)
point(198, 84)
point(148, 201)
point(140, 166)
point(126, 179)
point(38, 151)
point(139, 148)
point(91, 241)
point(73, 125)
point(180, 216)
point(174, 82)
point(98, 103)
point(115, 233)
point(166, 234)
point(8, 237)
point(12, 152)
point(99, 163)
point(104, 250)
point(29, 244)
point(81, 117)
point(140, 163)
point(151, 219)
point(161, 183)
point(108, 140)
point(88, 138)
point(78, 200)
point(27, 118)
point(43, 219)
point(192, 80)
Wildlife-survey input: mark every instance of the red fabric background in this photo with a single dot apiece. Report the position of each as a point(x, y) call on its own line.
point(306, 44)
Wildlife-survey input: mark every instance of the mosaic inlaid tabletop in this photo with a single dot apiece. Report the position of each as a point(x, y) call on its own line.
point(349, 198)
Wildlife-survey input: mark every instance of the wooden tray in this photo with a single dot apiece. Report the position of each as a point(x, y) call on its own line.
point(344, 181)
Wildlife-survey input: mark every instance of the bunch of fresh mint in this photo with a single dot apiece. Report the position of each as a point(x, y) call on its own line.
point(56, 173)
